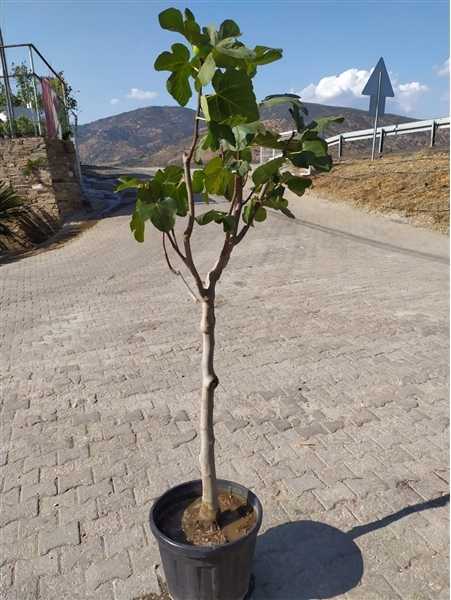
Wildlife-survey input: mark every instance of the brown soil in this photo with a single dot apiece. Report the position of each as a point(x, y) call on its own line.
point(412, 187)
point(181, 523)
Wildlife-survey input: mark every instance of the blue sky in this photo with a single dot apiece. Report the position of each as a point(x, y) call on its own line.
point(107, 48)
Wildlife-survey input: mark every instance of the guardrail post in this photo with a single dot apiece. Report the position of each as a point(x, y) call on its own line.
point(433, 130)
point(340, 146)
point(381, 140)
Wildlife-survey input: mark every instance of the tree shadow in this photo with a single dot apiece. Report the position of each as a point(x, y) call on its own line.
point(308, 560)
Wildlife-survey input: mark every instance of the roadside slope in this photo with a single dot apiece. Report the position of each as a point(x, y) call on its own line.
point(411, 187)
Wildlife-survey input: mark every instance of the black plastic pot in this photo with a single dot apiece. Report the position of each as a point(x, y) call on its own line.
point(206, 572)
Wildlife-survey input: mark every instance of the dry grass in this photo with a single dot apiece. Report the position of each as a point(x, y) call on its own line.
point(413, 187)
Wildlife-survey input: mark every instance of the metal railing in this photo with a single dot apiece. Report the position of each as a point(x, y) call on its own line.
point(33, 110)
point(431, 125)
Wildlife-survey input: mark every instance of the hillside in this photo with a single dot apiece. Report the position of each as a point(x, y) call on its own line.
point(124, 139)
point(410, 187)
point(158, 135)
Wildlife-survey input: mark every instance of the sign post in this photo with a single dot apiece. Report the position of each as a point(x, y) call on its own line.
point(378, 88)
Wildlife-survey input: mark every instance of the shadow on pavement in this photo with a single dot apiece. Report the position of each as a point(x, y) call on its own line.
point(308, 560)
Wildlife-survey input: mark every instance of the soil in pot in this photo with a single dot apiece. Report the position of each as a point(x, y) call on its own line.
point(181, 522)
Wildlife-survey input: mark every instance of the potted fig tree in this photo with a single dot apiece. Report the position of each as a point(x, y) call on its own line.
point(207, 529)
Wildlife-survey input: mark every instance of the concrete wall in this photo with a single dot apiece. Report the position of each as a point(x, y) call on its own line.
point(53, 192)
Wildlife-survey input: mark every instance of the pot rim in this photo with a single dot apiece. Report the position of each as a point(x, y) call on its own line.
point(223, 485)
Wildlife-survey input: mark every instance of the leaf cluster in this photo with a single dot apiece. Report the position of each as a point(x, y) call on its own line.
point(215, 66)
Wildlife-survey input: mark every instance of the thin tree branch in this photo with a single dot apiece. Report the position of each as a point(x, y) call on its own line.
point(171, 268)
point(238, 202)
point(236, 239)
point(191, 207)
point(175, 246)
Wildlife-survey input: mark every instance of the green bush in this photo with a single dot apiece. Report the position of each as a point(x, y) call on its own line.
point(10, 208)
point(24, 126)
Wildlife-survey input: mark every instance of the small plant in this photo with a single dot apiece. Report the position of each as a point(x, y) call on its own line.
point(10, 209)
point(219, 70)
point(24, 126)
point(5, 130)
point(32, 167)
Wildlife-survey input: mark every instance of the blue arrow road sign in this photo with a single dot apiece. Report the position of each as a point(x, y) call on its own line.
point(371, 87)
point(378, 88)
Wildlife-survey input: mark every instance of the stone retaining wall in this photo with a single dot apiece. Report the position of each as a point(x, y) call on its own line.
point(53, 191)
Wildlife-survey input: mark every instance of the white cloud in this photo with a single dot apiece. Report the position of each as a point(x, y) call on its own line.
point(348, 84)
point(444, 70)
point(346, 90)
point(114, 101)
point(407, 95)
point(140, 94)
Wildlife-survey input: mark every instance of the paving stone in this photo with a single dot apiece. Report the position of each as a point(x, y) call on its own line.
point(430, 487)
point(104, 488)
point(306, 433)
point(132, 538)
point(67, 454)
point(281, 425)
point(22, 550)
point(363, 416)
point(48, 505)
point(103, 571)
point(53, 588)
point(36, 567)
point(333, 426)
point(28, 527)
point(236, 424)
point(377, 588)
point(366, 485)
point(136, 415)
point(86, 418)
point(11, 497)
point(66, 482)
point(182, 438)
point(299, 485)
point(28, 589)
point(64, 536)
point(110, 523)
point(82, 554)
point(38, 489)
point(181, 416)
point(33, 462)
point(330, 496)
point(417, 581)
point(439, 565)
point(80, 512)
point(23, 510)
point(141, 586)
point(6, 577)
point(116, 501)
point(13, 481)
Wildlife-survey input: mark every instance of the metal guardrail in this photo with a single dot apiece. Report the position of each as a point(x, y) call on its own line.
point(432, 125)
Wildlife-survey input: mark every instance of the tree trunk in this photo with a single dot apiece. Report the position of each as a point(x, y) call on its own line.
point(210, 504)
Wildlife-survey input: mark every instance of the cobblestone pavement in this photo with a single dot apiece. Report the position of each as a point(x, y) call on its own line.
point(333, 407)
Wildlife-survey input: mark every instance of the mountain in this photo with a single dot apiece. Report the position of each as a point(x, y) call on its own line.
point(131, 136)
point(158, 135)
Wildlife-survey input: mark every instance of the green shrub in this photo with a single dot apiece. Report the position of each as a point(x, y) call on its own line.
point(24, 126)
point(10, 208)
